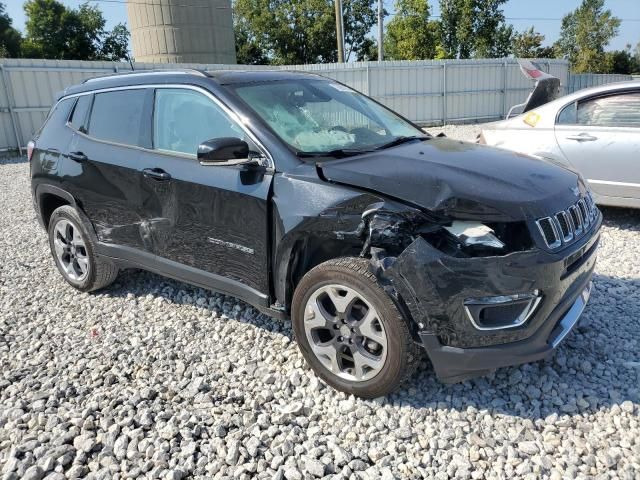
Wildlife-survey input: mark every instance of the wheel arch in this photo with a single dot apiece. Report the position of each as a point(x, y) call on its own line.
point(308, 253)
point(50, 197)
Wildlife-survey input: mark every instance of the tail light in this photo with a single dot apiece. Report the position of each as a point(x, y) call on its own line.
point(30, 146)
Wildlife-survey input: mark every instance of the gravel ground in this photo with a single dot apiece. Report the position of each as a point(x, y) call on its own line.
point(467, 132)
point(154, 378)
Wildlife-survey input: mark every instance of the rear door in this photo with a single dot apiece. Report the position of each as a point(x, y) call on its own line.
point(104, 171)
point(600, 136)
point(214, 218)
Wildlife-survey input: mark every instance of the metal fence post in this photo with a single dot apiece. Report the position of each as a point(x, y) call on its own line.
point(5, 83)
point(368, 79)
point(504, 88)
point(444, 92)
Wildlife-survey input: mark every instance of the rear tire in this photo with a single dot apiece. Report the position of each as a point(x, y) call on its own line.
point(74, 252)
point(340, 307)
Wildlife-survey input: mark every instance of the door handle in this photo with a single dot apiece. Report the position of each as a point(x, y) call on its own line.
point(156, 173)
point(78, 157)
point(583, 137)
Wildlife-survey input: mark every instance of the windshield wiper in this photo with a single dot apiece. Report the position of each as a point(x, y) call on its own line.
point(337, 153)
point(400, 140)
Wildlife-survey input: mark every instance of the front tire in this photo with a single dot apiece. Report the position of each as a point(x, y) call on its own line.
point(74, 252)
point(349, 330)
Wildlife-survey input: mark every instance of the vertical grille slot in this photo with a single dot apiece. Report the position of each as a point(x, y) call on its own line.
point(576, 219)
point(565, 227)
point(583, 211)
point(592, 207)
point(549, 232)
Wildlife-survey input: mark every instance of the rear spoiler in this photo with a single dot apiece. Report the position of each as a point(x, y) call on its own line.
point(546, 89)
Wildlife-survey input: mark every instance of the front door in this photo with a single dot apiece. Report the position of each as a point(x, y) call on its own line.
point(214, 218)
point(600, 136)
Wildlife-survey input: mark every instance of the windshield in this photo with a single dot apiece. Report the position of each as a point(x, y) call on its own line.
point(321, 117)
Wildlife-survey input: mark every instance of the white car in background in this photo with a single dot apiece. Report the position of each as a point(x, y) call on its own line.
point(595, 131)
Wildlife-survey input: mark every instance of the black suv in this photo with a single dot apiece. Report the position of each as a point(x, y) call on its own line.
point(313, 202)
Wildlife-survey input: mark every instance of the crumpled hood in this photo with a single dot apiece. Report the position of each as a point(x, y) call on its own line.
point(461, 179)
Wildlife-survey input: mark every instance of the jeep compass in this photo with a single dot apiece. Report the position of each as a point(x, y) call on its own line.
point(313, 202)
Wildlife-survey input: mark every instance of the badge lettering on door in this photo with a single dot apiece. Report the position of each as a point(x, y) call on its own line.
point(242, 248)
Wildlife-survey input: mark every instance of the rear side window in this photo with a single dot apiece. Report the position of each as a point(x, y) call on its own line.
point(621, 110)
point(51, 132)
point(118, 116)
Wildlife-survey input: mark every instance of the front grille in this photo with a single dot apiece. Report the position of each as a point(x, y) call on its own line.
point(568, 225)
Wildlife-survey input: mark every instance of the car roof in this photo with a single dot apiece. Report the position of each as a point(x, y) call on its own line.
point(186, 76)
point(608, 87)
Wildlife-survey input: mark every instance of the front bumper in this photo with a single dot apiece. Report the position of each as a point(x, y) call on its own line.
point(434, 287)
point(453, 364)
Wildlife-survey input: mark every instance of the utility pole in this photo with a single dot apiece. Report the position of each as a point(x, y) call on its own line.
point(339, 31)
point(380, 30)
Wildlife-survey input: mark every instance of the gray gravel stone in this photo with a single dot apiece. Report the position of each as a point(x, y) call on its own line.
point(152, 378)
point(33, 473)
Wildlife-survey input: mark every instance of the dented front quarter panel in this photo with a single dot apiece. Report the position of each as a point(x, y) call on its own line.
point(434, 286)
point(313, 221)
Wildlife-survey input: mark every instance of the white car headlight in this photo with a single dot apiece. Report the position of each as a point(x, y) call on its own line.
point(471, 234)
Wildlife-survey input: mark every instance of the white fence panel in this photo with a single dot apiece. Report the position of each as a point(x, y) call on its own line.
point(578, 81)
point(428, 92)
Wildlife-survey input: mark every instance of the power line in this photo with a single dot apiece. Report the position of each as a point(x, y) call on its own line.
point(517, 19)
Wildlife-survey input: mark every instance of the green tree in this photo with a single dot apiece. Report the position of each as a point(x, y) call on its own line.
point(299, 31)
point(369, 52)
point(528, 44)
point(620, 61)
point(410, 35)
point(474, 28)
point(10, 38)
point(359, 17)
point(55, 31)
point(584, 34)
point(115, 44)
point(491, 36)
point(248, 48)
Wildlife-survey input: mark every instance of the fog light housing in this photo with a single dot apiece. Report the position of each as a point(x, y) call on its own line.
point(503, 311)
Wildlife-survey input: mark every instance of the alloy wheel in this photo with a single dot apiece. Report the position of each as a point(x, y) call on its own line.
point(71, 250)
point(345, 333)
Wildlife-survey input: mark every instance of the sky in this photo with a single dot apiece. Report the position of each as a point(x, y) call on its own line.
point(544, 15)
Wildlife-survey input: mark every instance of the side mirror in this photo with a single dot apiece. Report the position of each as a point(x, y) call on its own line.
point(223, 151)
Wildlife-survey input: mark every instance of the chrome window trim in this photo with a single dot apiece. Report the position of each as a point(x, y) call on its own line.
point(233, 115)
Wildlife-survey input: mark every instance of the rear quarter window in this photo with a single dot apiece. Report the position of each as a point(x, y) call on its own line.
point(52, 132)
point(118, 116)
point(78, 118)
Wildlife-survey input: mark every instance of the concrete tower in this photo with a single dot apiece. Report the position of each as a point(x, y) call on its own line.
point(182, 31)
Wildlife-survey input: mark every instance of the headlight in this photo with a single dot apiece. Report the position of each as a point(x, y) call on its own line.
point(472, 234)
